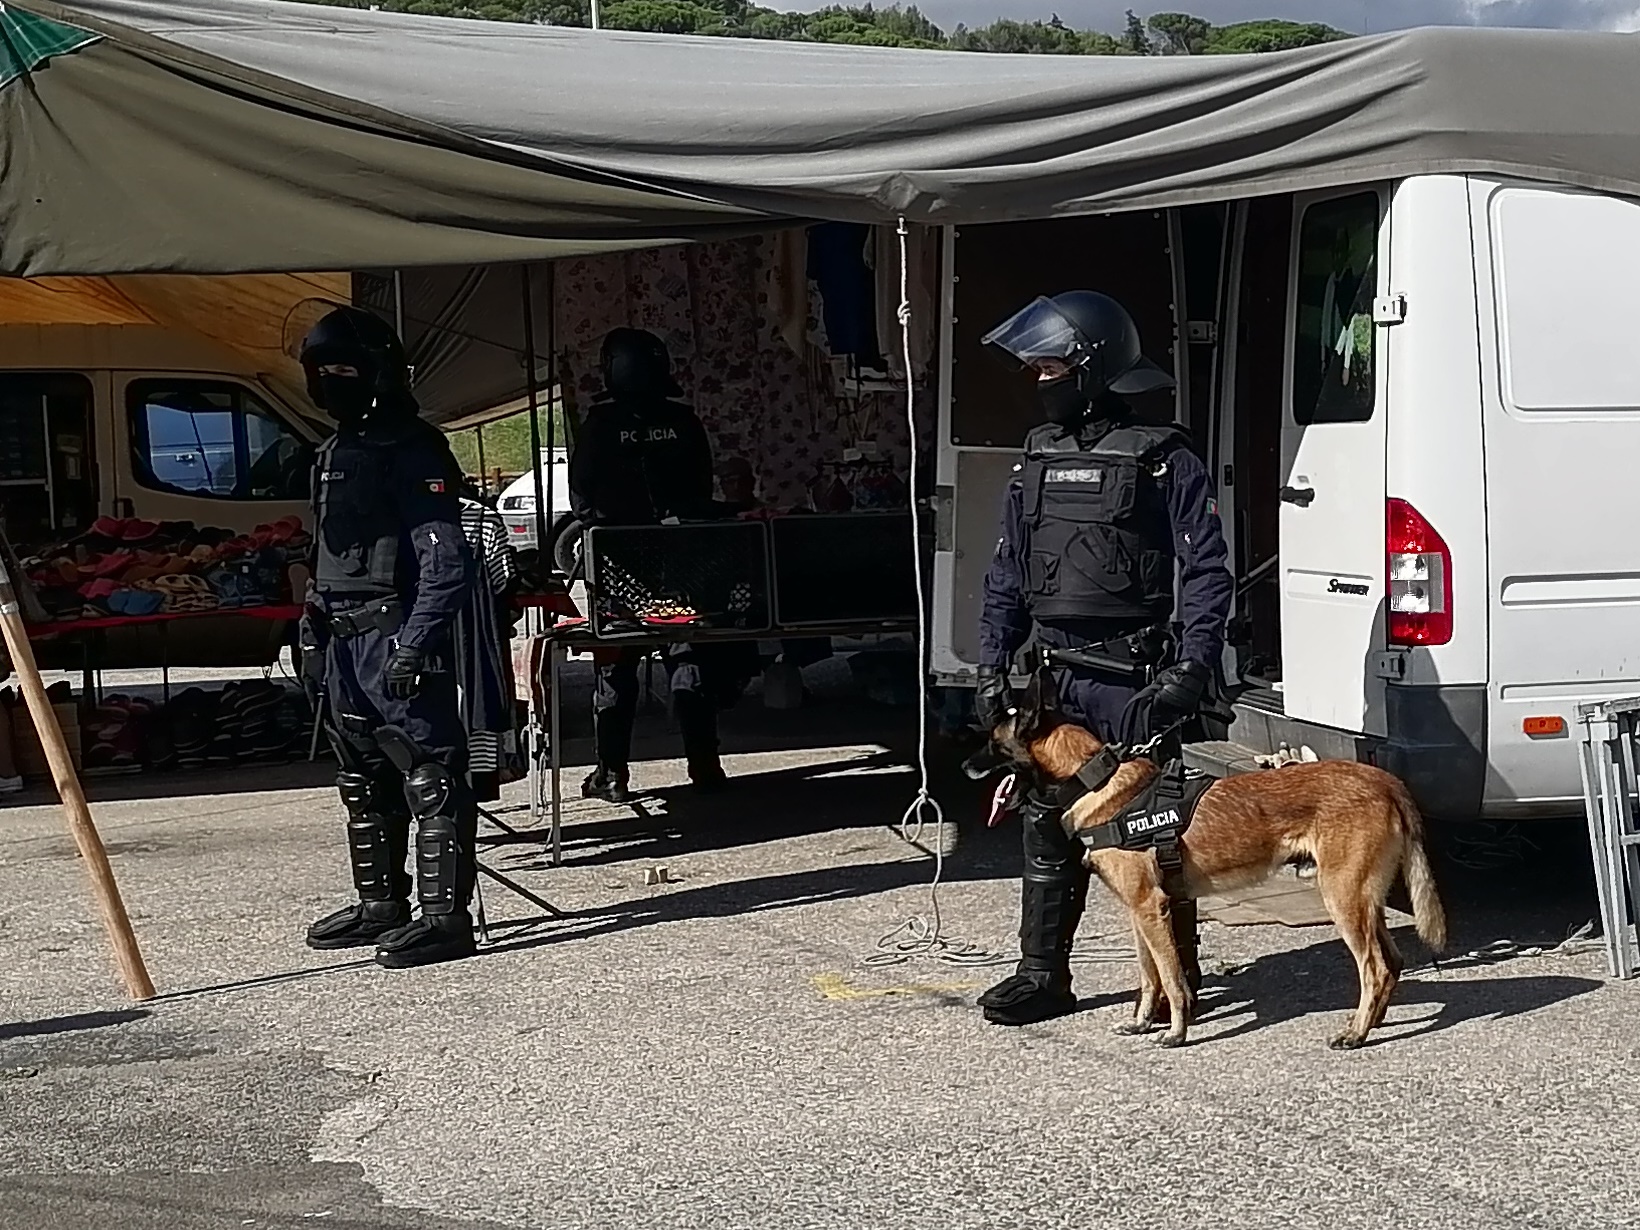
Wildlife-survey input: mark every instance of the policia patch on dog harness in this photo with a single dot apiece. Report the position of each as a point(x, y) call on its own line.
point(1156, 820)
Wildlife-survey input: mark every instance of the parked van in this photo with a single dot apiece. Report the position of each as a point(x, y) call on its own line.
point(517, 502)
point(135, 420)
point(1421, 403)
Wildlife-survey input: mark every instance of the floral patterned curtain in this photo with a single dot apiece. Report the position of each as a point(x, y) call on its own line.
point(743, 325)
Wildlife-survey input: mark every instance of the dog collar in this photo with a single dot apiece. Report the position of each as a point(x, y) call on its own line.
point(1092, 777)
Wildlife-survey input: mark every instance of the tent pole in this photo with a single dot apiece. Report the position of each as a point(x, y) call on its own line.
point(552, 381)
point(541, 544)
point(103, 887)
point(595, 14)
point(483, 474)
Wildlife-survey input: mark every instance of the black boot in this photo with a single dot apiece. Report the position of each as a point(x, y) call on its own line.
point(610, 785)
point(446, 828)
point(697, 724)
point(357, 926)
point(427, 941)
point(378, 838)
point(1052, 895)
point(1187, 939)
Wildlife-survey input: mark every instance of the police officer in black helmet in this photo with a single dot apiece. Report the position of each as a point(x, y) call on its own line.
point(1094, 522)
point(644, 458)
point(390, 573)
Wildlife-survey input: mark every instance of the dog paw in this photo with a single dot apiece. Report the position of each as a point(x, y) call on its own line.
point(1129, 1029)
point(1346, 1041)
point(1170, 1040)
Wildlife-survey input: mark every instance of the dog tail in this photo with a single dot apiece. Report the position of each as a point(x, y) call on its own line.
point(1428, 916)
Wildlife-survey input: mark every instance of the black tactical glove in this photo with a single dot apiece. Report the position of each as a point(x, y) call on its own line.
point(1179, 690)
point(402, 677)
point(991, 697)
point(312, 647)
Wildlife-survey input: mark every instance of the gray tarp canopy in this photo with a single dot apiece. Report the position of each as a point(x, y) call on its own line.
point(256, 135)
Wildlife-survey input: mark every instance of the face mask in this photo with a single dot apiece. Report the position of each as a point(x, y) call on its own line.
point(346, 397)
point(1062, 399)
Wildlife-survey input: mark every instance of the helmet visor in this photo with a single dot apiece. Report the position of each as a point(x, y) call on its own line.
point(1038, 332)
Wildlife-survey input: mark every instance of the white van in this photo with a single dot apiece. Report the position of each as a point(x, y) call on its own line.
point(1421, 401)
point(144, 421)
point(517, 502)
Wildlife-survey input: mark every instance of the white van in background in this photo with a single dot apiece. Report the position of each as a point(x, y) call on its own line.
point(517, 502)
point(1421, 402)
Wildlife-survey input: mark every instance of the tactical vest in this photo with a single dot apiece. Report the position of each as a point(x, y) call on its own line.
point(1098, 539)
point(646, 471)
point(356, 536)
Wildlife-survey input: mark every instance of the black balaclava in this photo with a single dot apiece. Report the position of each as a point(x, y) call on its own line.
point(353, 337)
point(1062, 399)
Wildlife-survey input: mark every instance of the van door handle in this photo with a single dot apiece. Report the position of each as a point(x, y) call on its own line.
point(1302, 496)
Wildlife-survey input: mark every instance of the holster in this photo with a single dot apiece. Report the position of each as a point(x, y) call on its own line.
point(384, 615)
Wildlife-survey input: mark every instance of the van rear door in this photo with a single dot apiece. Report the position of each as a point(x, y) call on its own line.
point(1332, 451)
point(1561, 421)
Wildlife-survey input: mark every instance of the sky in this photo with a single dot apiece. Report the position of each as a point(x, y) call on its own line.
point(1357, 16)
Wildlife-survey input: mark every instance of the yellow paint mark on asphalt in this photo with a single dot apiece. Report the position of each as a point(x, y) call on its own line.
point(835, 986)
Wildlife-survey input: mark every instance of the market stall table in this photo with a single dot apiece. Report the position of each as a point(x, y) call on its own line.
point(91, 628)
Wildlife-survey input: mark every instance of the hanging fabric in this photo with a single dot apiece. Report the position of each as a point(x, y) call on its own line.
point(838, 264)
point(483, 666)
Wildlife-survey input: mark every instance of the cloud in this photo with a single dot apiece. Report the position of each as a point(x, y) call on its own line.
point(1359, 16)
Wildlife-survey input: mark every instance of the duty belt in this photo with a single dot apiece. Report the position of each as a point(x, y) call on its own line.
point(384, 615)
point(1132, 657)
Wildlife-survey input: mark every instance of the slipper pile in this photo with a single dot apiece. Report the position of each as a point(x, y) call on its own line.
point(128, 566)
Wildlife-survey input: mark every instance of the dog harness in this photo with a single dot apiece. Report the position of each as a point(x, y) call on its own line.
point(1155, 820)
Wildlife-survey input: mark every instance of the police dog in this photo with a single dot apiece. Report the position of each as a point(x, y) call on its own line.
point(1356, 822)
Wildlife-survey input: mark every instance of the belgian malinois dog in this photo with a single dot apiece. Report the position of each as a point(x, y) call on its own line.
point(1357, 822)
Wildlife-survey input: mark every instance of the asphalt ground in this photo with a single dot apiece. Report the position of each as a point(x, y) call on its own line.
point(714, 1050)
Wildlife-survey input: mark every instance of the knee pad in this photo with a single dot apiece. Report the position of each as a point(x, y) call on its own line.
point(443, 874)
point(375, 845)
point(431, 791)
point(356, 793)
point(1050, 855)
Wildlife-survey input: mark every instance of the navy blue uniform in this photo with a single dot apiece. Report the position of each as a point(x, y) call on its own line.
point(393, 488)
point(1006, 623)
point(642, 459)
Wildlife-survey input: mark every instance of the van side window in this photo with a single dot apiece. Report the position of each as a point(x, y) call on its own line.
point(1563, 263)
point(1334, 342)
point(214, 439)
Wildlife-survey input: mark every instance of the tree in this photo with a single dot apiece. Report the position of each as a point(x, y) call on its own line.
point(1261, 36)
point(1134, 40)
point(1180, 33)
point(888, 26)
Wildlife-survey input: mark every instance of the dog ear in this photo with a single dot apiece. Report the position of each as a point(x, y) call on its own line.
point(1036, 702)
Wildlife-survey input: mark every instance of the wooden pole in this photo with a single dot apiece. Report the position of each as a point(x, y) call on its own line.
point(103, 887)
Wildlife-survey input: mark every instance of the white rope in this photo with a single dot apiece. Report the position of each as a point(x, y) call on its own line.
point(923, 935)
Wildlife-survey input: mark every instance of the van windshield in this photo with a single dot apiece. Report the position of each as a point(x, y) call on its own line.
point(214, 439)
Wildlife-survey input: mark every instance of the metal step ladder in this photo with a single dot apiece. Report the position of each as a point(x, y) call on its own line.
point(1609, 753)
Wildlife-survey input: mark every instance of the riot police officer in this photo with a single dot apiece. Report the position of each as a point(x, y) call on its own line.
point(644, 458)
point(1094, 521)
point(390, 573)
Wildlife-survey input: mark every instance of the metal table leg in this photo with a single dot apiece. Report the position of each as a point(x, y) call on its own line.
point(555, 655)
point(532, 735)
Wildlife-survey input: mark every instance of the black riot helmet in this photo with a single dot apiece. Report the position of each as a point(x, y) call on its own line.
point(635, 363)
point(1092, 336)
point(353, 337)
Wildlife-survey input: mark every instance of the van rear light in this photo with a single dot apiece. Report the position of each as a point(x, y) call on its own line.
point(1420, 578)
